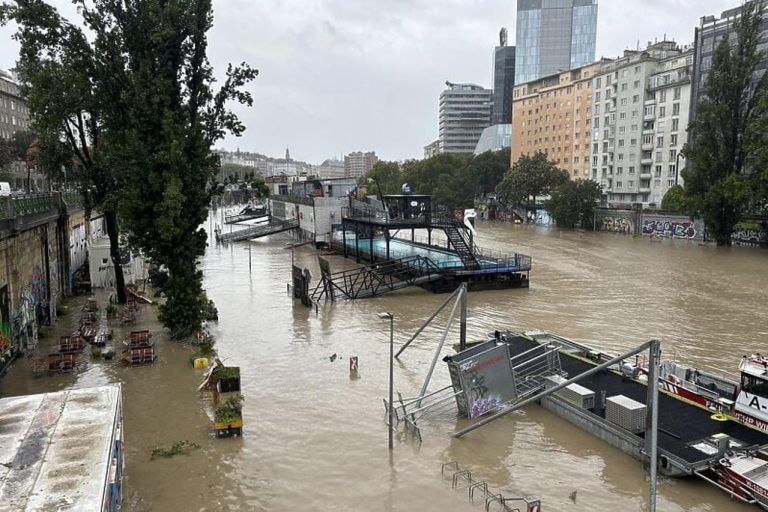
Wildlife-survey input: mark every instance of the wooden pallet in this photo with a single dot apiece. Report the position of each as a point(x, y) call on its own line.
point(139, 356)
point(71, 344)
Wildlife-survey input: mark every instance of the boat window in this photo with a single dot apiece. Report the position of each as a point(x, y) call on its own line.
point(754, 385)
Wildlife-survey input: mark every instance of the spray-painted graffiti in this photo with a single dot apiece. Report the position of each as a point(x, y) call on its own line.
point(617, 225)
point(484, 405)
point(670, 228)
point(6, 332)
point(55, 289)
point(38, 285)
point(749, 236)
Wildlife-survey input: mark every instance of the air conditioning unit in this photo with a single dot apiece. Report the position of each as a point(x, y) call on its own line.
point(573, 394)
point(626, 413)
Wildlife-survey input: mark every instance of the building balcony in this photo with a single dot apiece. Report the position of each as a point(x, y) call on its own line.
point(649, 117)
point(646, 161)
point(645, 190)
point(645, 175)
point(647, 147)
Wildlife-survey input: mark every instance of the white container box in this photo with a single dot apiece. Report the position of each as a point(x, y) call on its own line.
point(626, 413)
point(574, 393)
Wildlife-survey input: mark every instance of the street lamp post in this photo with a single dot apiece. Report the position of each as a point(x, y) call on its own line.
point(677, 166)
point(391, 318)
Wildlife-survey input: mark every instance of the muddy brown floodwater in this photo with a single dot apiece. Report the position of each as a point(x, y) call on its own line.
point(315, 438)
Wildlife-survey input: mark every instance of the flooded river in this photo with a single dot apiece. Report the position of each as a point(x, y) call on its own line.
point(315, 438)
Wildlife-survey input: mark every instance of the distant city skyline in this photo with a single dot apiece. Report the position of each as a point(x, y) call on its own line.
point(337, 76)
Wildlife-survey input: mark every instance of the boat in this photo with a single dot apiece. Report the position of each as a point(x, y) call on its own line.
point(699, 434)
point(745, 401)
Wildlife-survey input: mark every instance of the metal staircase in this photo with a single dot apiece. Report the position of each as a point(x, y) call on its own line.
point(377, 279)
point(464, 249)
point(274, 226)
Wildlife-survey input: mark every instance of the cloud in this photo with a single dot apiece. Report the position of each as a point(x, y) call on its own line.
point(339, 76)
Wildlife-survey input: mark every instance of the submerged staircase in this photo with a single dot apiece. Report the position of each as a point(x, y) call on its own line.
point(464, 249)
point(274, 226)
point(374, 280)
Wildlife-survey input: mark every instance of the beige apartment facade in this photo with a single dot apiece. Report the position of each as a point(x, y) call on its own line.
point(552, 115)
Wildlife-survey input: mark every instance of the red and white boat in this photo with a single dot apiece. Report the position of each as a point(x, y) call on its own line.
point(745, 401)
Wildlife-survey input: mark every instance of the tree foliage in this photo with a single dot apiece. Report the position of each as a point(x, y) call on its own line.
point(728, 133)
point(73, 79)
point(530, 177)
point(383, 174)
point(175, 119)
point(488, 170)
point(574, 203)
point(674, 200)
point(445, 176)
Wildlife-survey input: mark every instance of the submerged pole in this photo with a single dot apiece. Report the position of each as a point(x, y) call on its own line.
point(437, 351)
point(653, 403)
point(424, 326)
point(551, 390)
point(463, 317)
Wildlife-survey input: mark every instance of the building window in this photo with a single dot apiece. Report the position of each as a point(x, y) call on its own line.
point(675, 125)
point(619, 184)
point(662, 96)
point(598, 83)
point(657, 172)
point(636, 98)
point(636, 85)
point(676, 93)
point(672, 170)
point(660, 141)
point(672, 155)
point(622, 115)
point(622, 129)
point(624, 86)
point(631, 169)
point(634, 128)
point(637, 69)
point(670, 183)
point(621, 143)
point(633, 142)
point(662, 111)
point(675, 109)
point(659, 156)
point(623, 102)
point(673, 139)
point(631, 183)
point(619, 170)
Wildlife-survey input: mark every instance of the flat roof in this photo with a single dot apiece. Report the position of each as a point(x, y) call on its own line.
point(56, 448)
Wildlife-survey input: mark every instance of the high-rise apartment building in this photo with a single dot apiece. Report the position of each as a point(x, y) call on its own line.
point(358, 163)
point(503, 80)
point(707, 36)
point(465, 111)
point(639, 120)
point(554, 36)
point(431, 149)
point(13, 109)
point(552, 115)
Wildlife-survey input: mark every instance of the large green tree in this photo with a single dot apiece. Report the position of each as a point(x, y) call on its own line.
point(574, 203)
point(725, 135)
point(73, 79)
point(674, 200)
point(488, 170)
point(529, 178)
point(174, 121)
point(383, 174)
point(445, 176)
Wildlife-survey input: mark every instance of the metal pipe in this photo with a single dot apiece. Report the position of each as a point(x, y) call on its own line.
point(463, 318)
point(653, 399)
point(424, 326)
point(437, 351)
point(548, 392)
point(391, 378)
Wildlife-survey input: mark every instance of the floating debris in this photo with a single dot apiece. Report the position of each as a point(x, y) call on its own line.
point(177, 448)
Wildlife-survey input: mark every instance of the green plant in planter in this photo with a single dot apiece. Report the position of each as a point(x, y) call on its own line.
point(112, 310)
point(95, 352)
point(231, 410)
point(229, 372)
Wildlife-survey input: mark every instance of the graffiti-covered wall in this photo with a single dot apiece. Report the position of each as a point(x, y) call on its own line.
point(672, 226)
point(751, 234)
point(616, 221)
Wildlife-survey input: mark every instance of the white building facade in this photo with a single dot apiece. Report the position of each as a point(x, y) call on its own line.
point(639, 120)
point(465, 111)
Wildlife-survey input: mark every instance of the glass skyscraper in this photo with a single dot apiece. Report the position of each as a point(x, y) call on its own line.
point(554, 36)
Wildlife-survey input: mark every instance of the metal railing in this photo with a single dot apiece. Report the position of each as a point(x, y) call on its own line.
point(31, 204)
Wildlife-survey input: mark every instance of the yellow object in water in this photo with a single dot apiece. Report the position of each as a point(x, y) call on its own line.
point(719, 416)
point(201, 362)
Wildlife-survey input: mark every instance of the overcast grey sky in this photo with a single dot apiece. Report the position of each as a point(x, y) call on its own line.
point(346, 75)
